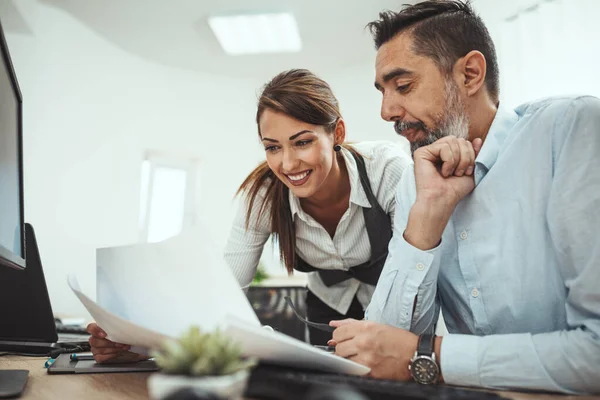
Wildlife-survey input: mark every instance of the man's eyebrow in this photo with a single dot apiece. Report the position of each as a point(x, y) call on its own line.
point(395, 73)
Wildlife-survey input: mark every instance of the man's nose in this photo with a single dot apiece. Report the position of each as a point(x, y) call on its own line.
point(391, 108)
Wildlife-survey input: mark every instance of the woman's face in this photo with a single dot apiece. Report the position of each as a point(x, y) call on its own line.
point(299, 154)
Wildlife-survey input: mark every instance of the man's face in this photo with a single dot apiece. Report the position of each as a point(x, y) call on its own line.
point(424, 104)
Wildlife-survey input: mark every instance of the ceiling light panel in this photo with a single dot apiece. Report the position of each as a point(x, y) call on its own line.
point(256, 33)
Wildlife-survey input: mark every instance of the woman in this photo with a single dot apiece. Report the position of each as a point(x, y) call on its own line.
point(329, 205)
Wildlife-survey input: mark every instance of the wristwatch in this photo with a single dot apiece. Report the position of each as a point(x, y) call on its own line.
point(423, 366)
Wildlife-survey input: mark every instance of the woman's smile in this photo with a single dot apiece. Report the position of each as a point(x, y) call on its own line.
point(299, 178)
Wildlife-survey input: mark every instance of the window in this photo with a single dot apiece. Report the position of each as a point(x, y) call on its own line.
point(167, 196)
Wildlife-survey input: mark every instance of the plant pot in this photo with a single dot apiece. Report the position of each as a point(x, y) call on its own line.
point(227, 386)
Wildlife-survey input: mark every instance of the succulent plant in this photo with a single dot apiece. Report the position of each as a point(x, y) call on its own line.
point(201, 354)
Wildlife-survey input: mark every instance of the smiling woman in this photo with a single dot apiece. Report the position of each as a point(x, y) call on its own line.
point(329, 205)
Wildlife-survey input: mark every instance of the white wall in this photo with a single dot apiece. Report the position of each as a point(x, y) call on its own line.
point(90, 112)
point(548, 50)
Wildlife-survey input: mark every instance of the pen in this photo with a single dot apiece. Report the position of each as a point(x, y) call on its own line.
point(82, 356)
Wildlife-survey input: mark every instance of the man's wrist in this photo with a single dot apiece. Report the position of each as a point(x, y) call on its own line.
point(426, 223)
point(425, 365)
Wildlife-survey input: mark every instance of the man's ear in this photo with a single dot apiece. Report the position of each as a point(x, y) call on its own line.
point(340, 131)
point(471, 71)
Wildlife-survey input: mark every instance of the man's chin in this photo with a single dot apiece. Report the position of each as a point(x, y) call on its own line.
point(415, 145)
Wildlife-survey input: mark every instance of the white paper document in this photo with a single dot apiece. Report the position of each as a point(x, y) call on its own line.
point(148, 293)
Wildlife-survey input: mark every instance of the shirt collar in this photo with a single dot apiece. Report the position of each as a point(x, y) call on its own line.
point(503, 123)
point(357, 192)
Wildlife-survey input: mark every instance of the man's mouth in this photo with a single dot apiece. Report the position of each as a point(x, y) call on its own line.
point(299, 178)
point(411, 134)
point(410, 130)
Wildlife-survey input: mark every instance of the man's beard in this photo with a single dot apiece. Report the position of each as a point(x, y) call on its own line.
point(454, 121)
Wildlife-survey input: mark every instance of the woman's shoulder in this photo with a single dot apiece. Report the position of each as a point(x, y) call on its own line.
point(257, 191)
point(254, 205)
point(381, 148)
point(379, 154)
point(385, 163)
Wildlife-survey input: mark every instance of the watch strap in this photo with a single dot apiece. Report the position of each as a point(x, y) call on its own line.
point(425, 346)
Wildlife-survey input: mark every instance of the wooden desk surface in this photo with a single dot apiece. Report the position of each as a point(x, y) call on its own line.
point(133, 385)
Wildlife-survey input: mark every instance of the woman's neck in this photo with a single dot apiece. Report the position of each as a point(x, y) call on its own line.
point(334, 190)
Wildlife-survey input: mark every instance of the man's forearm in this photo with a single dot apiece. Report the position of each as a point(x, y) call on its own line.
point(561, 361)
point(426, 223)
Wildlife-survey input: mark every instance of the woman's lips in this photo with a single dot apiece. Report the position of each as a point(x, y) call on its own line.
point(300, 178)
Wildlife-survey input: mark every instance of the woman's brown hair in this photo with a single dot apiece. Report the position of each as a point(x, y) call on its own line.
point(307, 98)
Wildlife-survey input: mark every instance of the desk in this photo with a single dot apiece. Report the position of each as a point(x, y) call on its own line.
point(42, 386)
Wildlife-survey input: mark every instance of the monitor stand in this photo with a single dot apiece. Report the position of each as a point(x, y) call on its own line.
point(26, 318)
point(12, 382)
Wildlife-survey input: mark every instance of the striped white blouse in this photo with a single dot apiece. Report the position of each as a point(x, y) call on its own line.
point(385, 162)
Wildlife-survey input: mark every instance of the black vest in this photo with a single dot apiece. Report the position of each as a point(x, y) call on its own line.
point(379, 230)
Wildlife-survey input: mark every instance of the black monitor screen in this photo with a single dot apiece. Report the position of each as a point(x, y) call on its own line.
point(12, 250)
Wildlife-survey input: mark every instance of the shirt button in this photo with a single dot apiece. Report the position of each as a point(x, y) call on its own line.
point(420, 267)
point(475, 292)
point(463, 235)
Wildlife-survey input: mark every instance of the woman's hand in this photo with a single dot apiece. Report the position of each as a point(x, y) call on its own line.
point(106, 351)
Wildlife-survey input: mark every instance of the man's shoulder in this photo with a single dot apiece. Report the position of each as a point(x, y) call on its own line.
point(558, 107)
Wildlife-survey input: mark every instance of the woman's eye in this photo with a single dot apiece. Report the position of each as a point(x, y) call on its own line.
point(403, 88)
point(271, 149)
point(303, 142)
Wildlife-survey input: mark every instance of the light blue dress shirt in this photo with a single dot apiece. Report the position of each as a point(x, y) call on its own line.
point(517, 273)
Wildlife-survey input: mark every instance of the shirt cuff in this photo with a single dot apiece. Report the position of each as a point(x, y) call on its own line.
point(413, 257)
point(404, 271)
point(460, 360)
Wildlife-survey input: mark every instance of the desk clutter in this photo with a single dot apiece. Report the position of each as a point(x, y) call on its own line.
point(272, 310)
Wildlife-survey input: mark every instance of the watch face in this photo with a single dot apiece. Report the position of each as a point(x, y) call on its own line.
point(424, 370)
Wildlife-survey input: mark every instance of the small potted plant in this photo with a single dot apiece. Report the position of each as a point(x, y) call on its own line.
point(260, 276)
point(207, 362)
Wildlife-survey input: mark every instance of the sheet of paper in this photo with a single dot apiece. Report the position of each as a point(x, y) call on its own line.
point(150, 293)
point(118, 329)
point(277, 348)
point(168, 286)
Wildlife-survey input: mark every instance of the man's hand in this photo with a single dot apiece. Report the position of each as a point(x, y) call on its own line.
point(385, 349)
point(445, 168)
point(444, 176)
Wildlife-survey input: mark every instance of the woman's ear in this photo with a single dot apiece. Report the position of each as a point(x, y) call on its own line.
point(340, 132)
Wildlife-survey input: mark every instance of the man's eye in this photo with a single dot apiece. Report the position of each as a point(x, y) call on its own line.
point(403, 88)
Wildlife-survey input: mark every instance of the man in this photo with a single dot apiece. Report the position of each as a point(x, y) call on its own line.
point(502, 236)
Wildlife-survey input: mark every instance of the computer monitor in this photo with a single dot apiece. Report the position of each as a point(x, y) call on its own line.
point(12, 224)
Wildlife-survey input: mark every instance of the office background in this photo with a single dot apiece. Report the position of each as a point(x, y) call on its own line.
point(136, 124)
